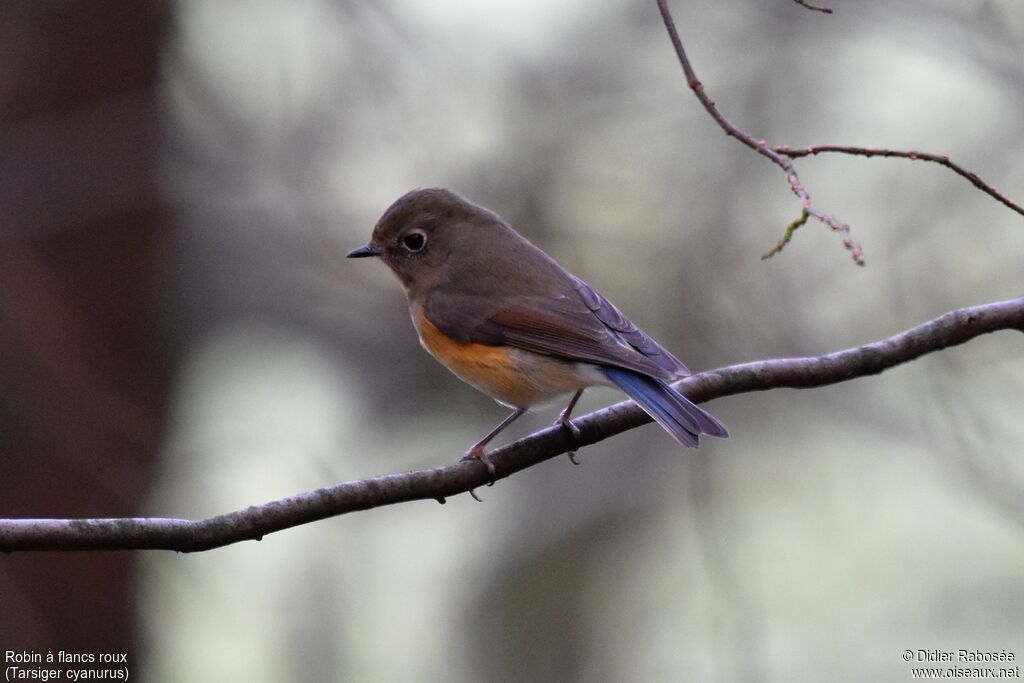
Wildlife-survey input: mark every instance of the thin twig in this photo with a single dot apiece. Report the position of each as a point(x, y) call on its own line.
point(804, 3)
point(940, 159)
point(184, 535)
point(759, 146)
point(786, 237)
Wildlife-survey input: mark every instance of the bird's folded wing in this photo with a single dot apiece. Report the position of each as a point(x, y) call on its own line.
point(578, 325)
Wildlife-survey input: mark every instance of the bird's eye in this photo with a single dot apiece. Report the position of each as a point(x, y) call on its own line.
point(415, 241)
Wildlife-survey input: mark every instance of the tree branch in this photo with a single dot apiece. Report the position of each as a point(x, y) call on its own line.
point(252, 523)
point(760, 146)
point(782, 156)
point(816, 8)
point(940, 159)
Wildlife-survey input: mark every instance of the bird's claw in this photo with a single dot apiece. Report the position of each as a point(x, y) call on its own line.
point(566, 423)
point(477, 453)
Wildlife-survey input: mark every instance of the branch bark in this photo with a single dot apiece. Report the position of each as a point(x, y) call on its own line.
point(252, 523)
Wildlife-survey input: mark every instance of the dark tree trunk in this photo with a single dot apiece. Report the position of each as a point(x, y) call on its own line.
point(83, 369)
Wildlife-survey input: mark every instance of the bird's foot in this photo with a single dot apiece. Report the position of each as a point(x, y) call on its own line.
point(477, 453)
point(565, 421)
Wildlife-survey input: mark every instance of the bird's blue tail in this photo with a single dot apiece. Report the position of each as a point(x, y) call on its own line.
point(673, 411)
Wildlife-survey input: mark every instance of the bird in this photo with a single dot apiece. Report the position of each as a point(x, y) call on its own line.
point(509, 320)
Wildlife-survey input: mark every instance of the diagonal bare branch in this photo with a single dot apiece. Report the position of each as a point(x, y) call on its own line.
point(252, 523)
point(941, 159)
point(816, 8)
point(783, 155)
point(760, 146)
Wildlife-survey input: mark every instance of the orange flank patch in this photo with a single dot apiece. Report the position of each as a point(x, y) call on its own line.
point(512, 376)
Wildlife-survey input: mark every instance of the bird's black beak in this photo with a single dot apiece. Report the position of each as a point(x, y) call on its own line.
point(364, 251)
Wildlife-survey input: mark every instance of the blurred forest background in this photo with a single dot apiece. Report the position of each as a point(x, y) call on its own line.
point(180, 334)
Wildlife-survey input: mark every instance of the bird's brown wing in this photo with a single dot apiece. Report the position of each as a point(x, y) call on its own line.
point(579, 324)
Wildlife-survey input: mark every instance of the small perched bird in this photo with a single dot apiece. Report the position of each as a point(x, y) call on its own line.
point(508, 319)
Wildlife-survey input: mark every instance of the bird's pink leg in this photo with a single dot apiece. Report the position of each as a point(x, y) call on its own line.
point(565, 421)
point(476, 451)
